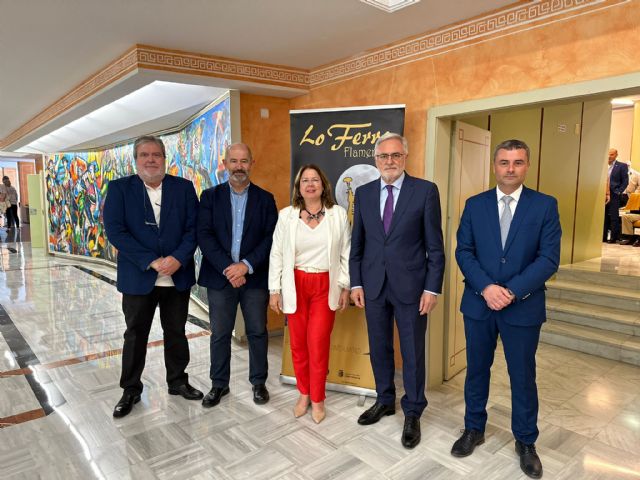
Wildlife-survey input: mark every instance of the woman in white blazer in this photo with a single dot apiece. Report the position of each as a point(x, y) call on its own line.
point(309, 280)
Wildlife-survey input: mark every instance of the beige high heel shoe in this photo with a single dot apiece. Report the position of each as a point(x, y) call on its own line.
point(318, 412)
point(301, 406)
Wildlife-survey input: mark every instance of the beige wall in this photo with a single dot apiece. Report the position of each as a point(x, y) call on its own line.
point(621, 132)
point(635, 142)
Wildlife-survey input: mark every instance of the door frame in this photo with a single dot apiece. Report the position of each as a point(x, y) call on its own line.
point(437, 163)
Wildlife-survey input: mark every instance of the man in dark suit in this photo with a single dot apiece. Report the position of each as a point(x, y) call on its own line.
point(151, 219)
point(396, 267)
point(618, 178)
point(235, 228)
point(508, 246)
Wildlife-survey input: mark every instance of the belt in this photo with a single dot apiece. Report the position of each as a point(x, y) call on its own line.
point(311, 270)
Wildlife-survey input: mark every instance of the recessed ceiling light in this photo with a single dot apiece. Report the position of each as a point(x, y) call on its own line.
point(390, 6)
point(622, 102)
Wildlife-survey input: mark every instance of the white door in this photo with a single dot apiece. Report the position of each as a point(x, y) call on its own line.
point(470, 167)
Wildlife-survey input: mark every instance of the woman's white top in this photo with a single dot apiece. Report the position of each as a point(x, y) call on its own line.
point(311, 246)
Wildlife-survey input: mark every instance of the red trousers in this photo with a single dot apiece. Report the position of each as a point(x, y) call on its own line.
point(310, 333)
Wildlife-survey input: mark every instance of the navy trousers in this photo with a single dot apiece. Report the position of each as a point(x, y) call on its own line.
point(412, 329)
point(520, 345)
point(223, 305)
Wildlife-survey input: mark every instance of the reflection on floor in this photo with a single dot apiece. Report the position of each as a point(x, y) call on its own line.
point(59, 365)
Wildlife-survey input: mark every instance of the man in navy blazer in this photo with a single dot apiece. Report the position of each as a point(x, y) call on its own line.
point(508, 246)
point(235, 229)
point(396, 267)
point(618, 178)
point(151, 219)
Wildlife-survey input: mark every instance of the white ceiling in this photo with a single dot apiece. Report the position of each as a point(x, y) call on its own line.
point(47, 47)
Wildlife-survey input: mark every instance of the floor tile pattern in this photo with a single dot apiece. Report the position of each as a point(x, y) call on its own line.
point(589, 417)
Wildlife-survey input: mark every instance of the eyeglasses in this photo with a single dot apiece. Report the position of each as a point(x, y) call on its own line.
point(154, 155)
point(395, 156)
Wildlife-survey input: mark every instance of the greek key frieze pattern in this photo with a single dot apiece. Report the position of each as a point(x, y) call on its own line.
point(213, 66)
point(500, 22)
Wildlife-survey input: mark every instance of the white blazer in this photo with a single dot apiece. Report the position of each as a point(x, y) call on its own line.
point(283, 252)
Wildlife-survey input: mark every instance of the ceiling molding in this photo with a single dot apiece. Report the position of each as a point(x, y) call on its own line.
point(506, 21)
point(141, 58)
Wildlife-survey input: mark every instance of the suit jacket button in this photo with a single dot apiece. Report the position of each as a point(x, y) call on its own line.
point(503, 260)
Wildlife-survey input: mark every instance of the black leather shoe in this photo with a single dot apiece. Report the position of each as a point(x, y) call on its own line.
point(411, 432)
point(636, 243)
point(470, 439)
point(260, 394)
point(212, 398)
point(626, 241)
point(529, 460)
point(375, 413)
point(124, 406)
point(187, 391)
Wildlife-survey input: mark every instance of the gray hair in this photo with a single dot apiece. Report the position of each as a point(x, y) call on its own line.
point(148, 139)
point(392, 136)
point(512, 144)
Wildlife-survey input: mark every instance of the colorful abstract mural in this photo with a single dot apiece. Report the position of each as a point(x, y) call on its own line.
point(76, 182)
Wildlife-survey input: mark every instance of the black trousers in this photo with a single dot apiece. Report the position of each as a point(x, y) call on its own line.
point(612, 218)
point(138, 314)
point(12, 217)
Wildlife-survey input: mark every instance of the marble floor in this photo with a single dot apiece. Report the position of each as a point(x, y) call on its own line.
point(61, 333)
point(618, 259)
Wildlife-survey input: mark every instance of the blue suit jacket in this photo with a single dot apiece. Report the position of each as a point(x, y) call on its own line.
point(411, 255)
point(619, 178)
point(215, 232)
point(127, 208)
point(530, 257)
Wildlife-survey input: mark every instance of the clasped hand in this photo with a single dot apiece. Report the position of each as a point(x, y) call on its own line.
point(497, 297)
point(236, 274)
point(166, 265)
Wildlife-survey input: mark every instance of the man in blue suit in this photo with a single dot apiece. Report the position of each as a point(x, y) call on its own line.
point(235, 228)
point(151, 219)
point(396, 268)
point(618, 178)
point(508, 246)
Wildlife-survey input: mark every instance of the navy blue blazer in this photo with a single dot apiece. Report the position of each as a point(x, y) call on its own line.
point(619, 178)
point(411, 255)
point(127, 213)
point(215, 232)
point(530, 256)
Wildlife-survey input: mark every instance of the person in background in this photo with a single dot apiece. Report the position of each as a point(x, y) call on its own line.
point(150, 218)
point(235, 226)
point(12, 203)
point(309, 280)
point(4, 204)
point(618, 179)
point(508, 247)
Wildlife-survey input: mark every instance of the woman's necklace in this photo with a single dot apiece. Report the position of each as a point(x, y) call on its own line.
point(314, 216)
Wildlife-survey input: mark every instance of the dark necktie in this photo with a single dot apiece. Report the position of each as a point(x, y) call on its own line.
point(387, 214)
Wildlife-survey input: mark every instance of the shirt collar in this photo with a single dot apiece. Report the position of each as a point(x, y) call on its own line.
point(243, 192)
point(515, 195)
point(397, 183)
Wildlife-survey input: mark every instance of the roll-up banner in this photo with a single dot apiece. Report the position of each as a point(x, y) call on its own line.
point(341, 142)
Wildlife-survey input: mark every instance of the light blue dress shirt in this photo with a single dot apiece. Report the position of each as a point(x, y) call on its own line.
point(238, 209)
